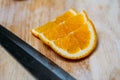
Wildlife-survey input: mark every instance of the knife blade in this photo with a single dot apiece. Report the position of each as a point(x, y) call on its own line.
point(37, 64)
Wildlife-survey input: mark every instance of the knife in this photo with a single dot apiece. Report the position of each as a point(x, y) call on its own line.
point(37, 64)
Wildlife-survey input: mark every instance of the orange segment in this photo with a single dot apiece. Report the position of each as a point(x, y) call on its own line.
point(73, 42)
point(49, 25)
point(83, 36)
point(71, 36)
point(46, 27)
point(73, 23)
point(68, 43)
point(66, 16)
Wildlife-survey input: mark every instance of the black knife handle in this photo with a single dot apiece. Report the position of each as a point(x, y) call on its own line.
point(37, 64)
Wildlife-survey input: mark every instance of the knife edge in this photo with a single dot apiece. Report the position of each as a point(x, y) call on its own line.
point(37, 64)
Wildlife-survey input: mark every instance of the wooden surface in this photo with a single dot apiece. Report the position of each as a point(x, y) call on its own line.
point(23, 15)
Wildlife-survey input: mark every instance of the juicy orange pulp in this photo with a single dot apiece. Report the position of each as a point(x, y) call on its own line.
point(53, 31)
point(66, 15)
point(72, 35)
point(67, 34)
point(73, 42)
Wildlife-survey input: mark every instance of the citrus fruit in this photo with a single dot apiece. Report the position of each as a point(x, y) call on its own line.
point(71, 35)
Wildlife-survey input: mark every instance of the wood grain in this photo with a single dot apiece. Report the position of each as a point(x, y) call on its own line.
point(21, 16)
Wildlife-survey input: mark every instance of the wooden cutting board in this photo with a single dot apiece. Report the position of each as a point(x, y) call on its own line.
point(23, 15)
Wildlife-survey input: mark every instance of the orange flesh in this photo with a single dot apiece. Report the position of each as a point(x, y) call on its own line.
point(58, 20)
point(54, 31)
point(75, 41)
point(65, 16)
point(71, 34)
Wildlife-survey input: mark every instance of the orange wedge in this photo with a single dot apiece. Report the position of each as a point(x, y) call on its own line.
point(71, 35)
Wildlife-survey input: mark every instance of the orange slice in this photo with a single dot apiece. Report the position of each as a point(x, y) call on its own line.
point(72, 35)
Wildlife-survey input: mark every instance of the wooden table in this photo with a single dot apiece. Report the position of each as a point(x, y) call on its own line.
point(23, 15)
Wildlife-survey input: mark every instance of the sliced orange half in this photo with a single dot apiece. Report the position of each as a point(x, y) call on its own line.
point(71, 35)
